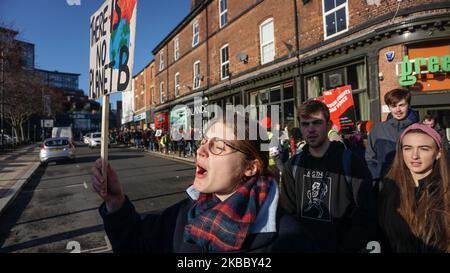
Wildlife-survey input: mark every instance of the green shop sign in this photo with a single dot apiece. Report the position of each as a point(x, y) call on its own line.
point(410, 68)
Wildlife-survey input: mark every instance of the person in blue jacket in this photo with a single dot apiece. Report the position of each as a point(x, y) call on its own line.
point(232, 205)
point(382, 140)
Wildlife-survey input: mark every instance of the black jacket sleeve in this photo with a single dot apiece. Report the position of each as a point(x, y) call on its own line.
point(288, 194)
point(363, 218)
point(129, 232)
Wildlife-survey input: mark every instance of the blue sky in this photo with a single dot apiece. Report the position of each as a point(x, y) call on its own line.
point(60, 31)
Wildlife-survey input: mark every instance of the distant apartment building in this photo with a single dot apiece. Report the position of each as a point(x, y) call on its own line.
point(9, 35)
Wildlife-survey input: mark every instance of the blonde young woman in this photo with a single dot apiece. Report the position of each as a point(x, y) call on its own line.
point(232, 206)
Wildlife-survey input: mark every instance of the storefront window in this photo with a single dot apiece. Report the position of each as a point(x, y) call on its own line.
point(275, 95)
point(253, 101)
point(354, 75)
point(289, 112)
point(288, 92)
point(335, 78)
point(314, 86)
point(363, 109)
point(282, 96)
point(237, 99)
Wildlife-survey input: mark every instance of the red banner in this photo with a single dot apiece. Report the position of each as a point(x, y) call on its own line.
point(341, 106)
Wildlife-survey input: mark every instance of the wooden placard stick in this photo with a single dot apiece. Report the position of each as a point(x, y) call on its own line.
point(105, 135)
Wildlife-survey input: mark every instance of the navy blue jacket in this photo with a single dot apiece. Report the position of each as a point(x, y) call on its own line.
point(129, 232)
point(381, 144)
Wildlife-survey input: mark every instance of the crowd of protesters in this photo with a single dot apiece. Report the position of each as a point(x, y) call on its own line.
point(158, 140)
point(315, 191)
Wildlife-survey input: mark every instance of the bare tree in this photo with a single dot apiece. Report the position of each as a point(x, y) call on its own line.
point(23, 88)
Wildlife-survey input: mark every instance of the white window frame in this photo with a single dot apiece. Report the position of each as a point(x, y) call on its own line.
point(176, 48)
point(177, 84)
point(195, 76)
point(196, 23)
point(221, 13)
point(161, 92)
point(161, 61)
point(324, 16)
point(222, 64)
point(261, 45)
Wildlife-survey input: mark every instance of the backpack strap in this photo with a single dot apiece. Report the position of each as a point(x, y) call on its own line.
point(346, 160)
point(346, 163)
point(295, 163)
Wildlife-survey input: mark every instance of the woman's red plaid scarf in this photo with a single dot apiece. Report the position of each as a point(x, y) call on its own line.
point(223, 226)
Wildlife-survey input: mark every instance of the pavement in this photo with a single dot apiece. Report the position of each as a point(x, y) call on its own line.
point(173, 157)
point(16, 169)
point(166, 156)
point(18, 166)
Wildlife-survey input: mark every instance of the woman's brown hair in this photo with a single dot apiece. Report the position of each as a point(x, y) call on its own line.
point(249, 146)
point(426, 215)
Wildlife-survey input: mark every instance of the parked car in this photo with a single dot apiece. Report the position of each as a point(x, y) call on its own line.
point(55, 149)
point(7, 140)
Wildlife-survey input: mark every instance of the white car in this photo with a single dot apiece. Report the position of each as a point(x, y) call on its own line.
point(54, 149)
point(95, 139)
point(87, 138)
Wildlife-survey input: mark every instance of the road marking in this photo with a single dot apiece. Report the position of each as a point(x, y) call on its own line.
point(69, 186)
point(72, 186)
point(75, 246)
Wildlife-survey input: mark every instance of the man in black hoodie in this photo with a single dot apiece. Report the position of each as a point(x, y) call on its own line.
point(329, 192)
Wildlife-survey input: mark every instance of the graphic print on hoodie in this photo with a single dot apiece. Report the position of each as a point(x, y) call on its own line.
point(316, 195)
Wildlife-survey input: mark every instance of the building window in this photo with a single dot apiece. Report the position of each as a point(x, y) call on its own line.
point(223, 11)
point(152, 90)
point(196, 33)
point(267, 41)
point(354, 75)
point(161, 61)
point(161, 92)
point(176, 49)
point(177, 84)
point(335, 17)
point(224, 63)
point(281, 96)
point(197, 75)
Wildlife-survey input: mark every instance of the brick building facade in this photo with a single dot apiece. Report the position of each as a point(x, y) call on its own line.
point(283, 52)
